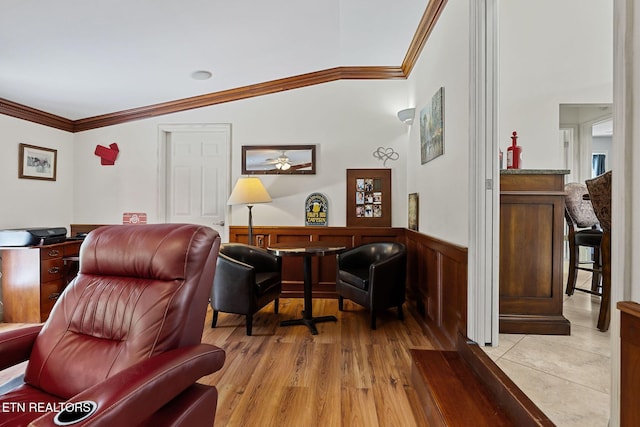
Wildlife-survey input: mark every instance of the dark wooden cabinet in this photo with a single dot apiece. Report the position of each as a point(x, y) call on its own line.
point(32, 279)
point(531, 242)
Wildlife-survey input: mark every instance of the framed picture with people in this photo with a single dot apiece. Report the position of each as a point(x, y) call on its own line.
point(369, 197)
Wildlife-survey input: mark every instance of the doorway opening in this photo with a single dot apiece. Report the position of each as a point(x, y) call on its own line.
point(586, 130)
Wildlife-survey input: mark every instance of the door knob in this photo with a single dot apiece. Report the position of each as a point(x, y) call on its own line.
point(220, 223)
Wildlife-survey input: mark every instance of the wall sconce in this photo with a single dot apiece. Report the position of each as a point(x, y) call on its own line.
point(406, 116)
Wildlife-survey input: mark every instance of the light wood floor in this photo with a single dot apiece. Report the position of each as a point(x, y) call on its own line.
point(347, 375)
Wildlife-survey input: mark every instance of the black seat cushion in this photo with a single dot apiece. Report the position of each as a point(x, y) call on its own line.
point(588, 238)
point(358, 277)
point(266, 281)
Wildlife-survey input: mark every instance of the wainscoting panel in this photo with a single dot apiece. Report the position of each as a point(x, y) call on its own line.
point(437, 284)
point(436, 271)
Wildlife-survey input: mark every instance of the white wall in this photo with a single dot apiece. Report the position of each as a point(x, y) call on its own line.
point(551, 52)
point(442, 183)
point(29, 202)
point(348, 120)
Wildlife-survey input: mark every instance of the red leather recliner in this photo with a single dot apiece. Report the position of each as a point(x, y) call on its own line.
point(125, 334)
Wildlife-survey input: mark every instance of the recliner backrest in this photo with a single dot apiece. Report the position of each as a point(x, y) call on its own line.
point(141, 290)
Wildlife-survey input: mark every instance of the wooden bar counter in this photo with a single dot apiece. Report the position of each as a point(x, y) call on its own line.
point(531, 260)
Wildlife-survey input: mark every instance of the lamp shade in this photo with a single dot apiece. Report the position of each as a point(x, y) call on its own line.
point(248, 191)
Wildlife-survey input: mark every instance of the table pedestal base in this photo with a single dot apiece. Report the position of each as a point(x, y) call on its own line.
point(310, 322)
point(307, 250)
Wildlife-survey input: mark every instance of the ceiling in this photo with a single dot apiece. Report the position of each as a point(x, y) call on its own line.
point(78, 59)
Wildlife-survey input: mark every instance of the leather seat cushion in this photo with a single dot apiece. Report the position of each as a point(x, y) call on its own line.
point(588, 238)
point(267, 280)
point(358, 277)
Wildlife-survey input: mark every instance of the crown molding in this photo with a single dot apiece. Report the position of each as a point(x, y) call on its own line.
point(244, 92)
point(429, 18)
point(19, 111)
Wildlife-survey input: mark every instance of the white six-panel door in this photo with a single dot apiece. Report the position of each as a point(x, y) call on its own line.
point(196, 175)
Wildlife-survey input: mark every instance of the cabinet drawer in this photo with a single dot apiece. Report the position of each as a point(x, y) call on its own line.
point(51, 252)
point(49, 293)
point(51, 269)
point(72, 248)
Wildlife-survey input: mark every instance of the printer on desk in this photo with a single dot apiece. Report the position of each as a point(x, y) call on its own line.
point(32, 236)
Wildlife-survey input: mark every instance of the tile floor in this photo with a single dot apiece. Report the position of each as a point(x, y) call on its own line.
point(568, 377)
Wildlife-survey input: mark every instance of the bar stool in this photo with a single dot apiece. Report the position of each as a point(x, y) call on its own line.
point(600, 194)
point(584, 231)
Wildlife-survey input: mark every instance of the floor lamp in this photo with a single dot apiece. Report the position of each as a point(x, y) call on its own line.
point(249, 191)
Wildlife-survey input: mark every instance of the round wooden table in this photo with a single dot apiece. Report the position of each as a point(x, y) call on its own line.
point(307, 250)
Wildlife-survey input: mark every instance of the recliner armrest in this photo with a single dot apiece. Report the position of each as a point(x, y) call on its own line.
point(16, 345)
point(132, 395)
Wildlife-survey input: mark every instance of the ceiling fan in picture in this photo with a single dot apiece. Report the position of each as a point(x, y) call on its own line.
point(281, 163)
point(284, 159)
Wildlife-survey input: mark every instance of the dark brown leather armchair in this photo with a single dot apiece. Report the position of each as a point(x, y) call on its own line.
point(373, 275)
point(125, 335)
point(247, 279)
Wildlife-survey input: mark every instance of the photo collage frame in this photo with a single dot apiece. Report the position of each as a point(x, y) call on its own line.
point(369, 197)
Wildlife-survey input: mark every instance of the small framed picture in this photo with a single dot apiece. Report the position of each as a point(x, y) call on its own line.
point(414, 207)
point(37, 162)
